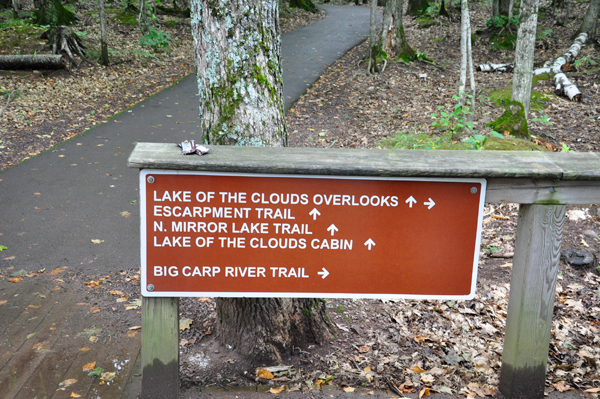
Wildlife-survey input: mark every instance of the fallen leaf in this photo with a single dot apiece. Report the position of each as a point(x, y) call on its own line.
point(108, 376)
point(95, 309)
point(562, 387)
point(264, 373)
point(125, 214)
point(364, 349)
point(417, 369)
point(427, 378)
point(348, 389)
point(424, 392)
point(58, 270)
point(34, 306)
point(15, 280)
point(66, 384)
point(97, 241)
point(185, 323)
point(31, 335)
point(419, 338)
point(367, 369)
point(131, 334)
point(84, 349)
point(3, 302)
point(204, 300)
point(115, 293)
point(3, 248)
point(10, 258)
point(592, 390)
point(93, 339)
point(277, 390)
point(74, 395)
point(135, 328)
point(89, 366)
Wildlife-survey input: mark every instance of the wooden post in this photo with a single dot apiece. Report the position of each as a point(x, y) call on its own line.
point(160, 348)
point(531, 302)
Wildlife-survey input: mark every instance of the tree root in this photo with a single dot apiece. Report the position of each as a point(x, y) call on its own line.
point(66, 42)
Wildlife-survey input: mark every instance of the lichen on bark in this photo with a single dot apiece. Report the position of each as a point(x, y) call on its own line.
point(237, 46)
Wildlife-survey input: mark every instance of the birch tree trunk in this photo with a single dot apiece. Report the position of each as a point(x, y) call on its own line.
point(590, 20)
point(523, 73)
point(238, 56)
point(466, 61)
point(103, 40)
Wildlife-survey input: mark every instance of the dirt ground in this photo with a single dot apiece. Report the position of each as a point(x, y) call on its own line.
point(440, 346)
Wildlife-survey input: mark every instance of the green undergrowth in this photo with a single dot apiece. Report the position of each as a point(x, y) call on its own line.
point(21, 40)
point(126, 18)
point(539, 101)
point(423, 141)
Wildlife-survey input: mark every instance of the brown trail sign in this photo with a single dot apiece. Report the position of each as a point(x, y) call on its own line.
point(208, 234)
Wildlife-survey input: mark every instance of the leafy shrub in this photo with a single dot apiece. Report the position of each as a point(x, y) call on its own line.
point(156, 39)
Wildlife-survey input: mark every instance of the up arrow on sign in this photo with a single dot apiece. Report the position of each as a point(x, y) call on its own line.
point(332, 228)
point(370, 243)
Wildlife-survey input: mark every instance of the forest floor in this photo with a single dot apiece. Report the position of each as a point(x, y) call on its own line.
point(443, 346)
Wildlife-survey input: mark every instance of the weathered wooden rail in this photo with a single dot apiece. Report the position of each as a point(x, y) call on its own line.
point(542, 183)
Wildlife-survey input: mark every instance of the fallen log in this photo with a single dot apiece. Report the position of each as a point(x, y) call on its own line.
point(495, 68)
point(564, 87)
point(556, 66)
point(34, 61)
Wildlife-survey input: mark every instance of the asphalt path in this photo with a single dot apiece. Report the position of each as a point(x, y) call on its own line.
point(77, 204)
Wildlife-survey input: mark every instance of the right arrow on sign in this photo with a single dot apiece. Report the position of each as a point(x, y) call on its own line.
point(332, 228)
point(429, 204)
point(410, 201)
point(370, 243)
point(314, 213)
point(324, 273)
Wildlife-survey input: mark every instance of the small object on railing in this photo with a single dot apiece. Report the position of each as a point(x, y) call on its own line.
point(190, 147)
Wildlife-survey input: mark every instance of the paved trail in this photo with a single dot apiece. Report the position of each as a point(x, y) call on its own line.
point(54, 205)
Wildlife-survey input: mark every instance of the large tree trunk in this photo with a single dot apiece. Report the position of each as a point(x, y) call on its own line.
point(37, 61)
point(267, 329)
point(403, 49)
point(103, 40)
point(417, 7)
point(238, 56)
point(590, 20)
point(523, 73)
point(374, 42)
point(52, 12)
point(503, 7)
point(388, 29)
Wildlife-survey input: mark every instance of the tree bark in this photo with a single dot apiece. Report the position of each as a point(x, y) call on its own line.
point(495, 9)
point(590, 20)
point(38, 61)
point(503, 7)
point(174, 11)
point(142, 17)
point(238, 56)
point(417, 7)
point(266, 329)
point(521, 89)
point(103, 40)
point(52, 12)
point(374, 43)
point(388, 29)
point(403, 49)
point(466, 61)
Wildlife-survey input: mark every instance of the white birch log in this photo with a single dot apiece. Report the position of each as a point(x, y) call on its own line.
point(495, 68)
point(564, 87)
point(569, 57)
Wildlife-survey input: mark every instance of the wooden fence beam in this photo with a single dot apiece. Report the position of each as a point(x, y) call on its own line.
point(160, 348)
point(531, 301)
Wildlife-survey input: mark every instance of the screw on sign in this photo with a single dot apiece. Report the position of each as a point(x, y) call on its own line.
point(212, 234)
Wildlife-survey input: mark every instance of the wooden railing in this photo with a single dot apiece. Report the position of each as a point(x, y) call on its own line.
point(542, 183)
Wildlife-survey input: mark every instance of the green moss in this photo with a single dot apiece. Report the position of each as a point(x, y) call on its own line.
point(512, 144)
point(425, 21)
point(502, 96)
point(539, 78)
point(339, 309)
point(20, 40)
point(512, 120)
point(126, 18)
point(171, 24)
point(438, 39)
